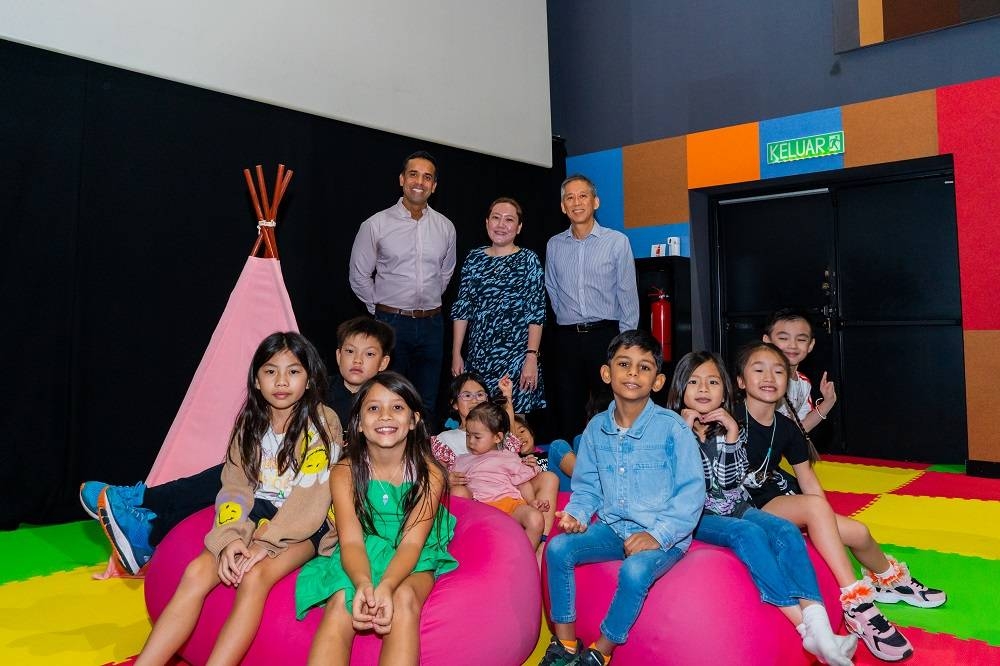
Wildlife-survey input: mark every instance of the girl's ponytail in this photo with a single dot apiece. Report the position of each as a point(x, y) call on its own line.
point(813, 453)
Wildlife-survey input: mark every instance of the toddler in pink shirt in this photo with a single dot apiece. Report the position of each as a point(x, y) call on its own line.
point(498, 477)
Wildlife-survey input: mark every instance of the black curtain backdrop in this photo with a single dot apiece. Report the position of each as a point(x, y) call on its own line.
point(125, 222)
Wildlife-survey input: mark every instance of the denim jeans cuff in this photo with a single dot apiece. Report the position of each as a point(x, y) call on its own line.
point(617, 640)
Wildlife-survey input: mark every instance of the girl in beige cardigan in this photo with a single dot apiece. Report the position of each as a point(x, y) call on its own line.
point(271, 514)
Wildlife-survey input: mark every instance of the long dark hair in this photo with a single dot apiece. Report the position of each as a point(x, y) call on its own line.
point(417, 456)
point(743, 357)
point(255, 416)
point(682, 373)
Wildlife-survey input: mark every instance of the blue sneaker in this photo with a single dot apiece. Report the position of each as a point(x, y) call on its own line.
point(127, 527)
point(91, 490)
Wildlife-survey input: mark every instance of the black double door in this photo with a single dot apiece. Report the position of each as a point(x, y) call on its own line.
point(875, 263)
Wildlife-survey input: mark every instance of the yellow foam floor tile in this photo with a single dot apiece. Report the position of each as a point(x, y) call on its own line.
point(69, 618)
point(962, 526)
point(853, 478)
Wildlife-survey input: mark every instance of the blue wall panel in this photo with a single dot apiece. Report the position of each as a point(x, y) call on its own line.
point(795, 127)
point(605, 169)
point(643, 238)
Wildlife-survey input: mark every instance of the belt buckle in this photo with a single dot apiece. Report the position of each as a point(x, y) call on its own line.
point(583, 328)
point(412, 314)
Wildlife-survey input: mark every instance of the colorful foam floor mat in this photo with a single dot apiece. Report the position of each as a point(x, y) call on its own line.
point(942, 523)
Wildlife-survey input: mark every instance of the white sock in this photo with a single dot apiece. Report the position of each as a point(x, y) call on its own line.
point(818, 637)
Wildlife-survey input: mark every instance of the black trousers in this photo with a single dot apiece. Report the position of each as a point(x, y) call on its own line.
point(174, 501)
point(573, 376)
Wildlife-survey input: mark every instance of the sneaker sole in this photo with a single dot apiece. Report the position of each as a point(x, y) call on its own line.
point(84, 504)
point(875, 653)
point(891, 598)
point(124, 553)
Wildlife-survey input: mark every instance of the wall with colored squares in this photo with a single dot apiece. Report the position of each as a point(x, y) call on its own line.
point(644, 192)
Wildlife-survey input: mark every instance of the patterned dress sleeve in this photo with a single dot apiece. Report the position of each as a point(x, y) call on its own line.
point(511, 443)
point(462, 308)
point(730, 466)
point(534, 288)
point(442, 453)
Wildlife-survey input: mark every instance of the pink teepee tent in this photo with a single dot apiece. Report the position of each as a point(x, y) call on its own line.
point(258, 306)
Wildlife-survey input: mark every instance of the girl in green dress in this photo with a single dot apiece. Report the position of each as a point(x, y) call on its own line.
point(393, 531)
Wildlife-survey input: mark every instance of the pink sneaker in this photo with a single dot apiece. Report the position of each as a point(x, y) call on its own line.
point(864, 619)
point(901, 586)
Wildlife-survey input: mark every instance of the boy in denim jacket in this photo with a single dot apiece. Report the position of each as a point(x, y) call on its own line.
point(638, 469)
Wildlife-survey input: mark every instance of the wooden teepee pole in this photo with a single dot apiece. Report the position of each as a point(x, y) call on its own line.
point(267, 214)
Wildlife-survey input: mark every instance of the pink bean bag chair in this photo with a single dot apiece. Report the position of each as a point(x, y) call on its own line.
point(705, 610)
point(488, 611)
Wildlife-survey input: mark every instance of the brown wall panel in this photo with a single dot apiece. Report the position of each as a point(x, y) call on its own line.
point(890, 129)
point(982, 367)
point(902, 18)
point(655, 180)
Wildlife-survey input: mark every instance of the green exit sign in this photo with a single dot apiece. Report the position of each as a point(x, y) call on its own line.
point(819, 145)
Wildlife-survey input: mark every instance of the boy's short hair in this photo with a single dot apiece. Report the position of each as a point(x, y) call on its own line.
point(369, 328)
point(644, 340)
point(788, 314)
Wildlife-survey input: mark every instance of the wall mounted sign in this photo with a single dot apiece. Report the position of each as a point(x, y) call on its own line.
point(818, 145)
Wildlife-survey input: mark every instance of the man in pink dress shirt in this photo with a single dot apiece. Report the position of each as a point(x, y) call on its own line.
point(402, 260)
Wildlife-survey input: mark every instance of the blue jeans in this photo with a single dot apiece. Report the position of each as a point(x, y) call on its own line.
point(772, 549)
point(557, 450)
point(418, 354)
point(600, 544)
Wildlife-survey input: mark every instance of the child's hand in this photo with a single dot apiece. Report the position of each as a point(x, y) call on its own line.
point(540, 504)
point(363, 608)
point(506, 387)
point(639, 542)
point(569, 524)
point(254, 555)
point(827, 390)
point(689, 416)
point(457, 479)
point(229, 562)
point(725, 419)
point(530, 461)
point(382, 617)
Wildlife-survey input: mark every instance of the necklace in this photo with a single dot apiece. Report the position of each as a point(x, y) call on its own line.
point(385, 490)
point(756, 478)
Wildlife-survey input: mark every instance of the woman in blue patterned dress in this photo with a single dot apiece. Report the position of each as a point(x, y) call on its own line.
point(500, 310)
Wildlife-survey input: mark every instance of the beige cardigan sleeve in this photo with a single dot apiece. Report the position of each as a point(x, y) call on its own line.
point(232, 505)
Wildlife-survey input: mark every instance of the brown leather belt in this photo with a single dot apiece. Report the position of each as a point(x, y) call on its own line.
point(416, 314)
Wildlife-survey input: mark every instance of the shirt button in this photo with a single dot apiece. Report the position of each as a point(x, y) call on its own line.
point(621, 469)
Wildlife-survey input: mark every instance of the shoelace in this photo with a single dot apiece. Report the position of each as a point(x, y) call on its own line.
point(876, 619)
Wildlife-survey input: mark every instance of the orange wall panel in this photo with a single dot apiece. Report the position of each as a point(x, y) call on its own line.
point(890, 129)
point(722, 156)
point(982, 367)
point(656, 190)
point(870, 28)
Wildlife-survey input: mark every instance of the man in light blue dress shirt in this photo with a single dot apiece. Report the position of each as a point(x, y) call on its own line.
point(590, 279)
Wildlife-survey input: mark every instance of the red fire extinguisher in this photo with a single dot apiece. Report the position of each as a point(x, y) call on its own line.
point(660, 320)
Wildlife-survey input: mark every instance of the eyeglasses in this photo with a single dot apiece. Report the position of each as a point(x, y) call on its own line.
point(469, 395)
